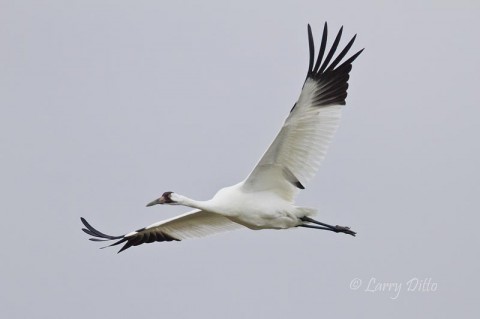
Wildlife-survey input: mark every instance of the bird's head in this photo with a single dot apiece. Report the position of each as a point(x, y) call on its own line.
point(166, 198)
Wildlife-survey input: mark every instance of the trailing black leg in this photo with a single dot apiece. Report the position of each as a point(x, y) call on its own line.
point(316, 227)
point(336, 228)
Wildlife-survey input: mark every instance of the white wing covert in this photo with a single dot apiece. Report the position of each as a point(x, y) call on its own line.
point(296, 153)
point(196, 223)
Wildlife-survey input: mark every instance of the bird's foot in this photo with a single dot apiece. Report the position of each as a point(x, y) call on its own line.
point(343, 229)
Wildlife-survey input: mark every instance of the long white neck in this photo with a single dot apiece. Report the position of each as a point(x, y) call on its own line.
point(185, 201)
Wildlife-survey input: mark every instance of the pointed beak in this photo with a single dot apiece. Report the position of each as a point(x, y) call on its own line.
point(160, 200)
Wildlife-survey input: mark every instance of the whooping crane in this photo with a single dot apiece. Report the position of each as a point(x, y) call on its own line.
point(265, 199)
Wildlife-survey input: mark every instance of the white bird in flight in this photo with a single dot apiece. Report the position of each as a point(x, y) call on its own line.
point(265, 199)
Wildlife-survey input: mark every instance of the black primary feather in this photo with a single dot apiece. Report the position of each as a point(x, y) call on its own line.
point(93, 232)
point(142, 236)
point(332, 78)
point(322, 49)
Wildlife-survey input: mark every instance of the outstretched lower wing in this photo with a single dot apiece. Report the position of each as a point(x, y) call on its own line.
point(296, 153)
point(196, 223)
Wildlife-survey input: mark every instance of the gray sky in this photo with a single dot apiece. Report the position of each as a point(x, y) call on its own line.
point(107, 104)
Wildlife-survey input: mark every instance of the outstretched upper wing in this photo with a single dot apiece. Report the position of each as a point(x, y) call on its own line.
point(196, 223)
point(295, 155)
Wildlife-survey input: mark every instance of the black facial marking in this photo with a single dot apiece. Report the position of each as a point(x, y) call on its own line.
point(167, 198)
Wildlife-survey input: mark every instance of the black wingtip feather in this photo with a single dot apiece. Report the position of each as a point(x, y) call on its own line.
point(321, 52)
point(94, 232)
point(98, 239)
point(332, 51)
point(353, 57)
point(341, 55)
point(325, 66)
point(141, 236)
point(332, 76)
point(126, 246)
point(311, 47)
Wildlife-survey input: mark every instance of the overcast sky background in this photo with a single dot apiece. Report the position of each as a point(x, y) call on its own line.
point(107, 104)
